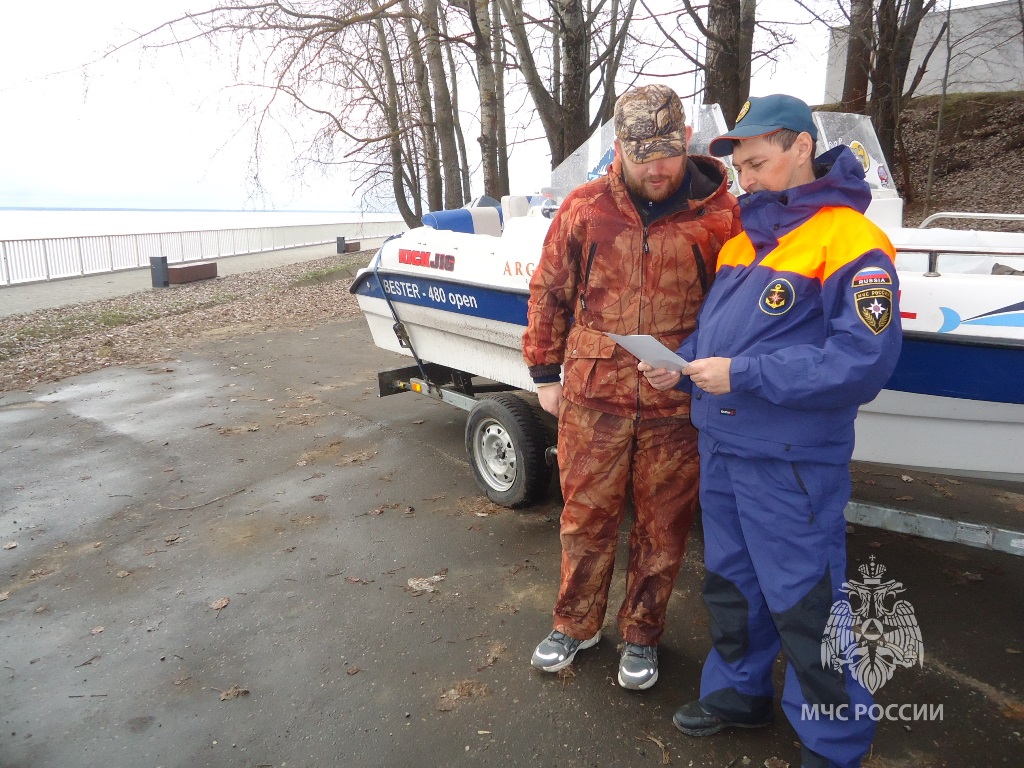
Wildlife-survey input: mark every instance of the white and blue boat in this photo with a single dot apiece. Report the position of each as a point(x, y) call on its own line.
point(453, 293)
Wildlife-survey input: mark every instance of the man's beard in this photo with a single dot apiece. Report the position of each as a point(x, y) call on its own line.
point(640, 189)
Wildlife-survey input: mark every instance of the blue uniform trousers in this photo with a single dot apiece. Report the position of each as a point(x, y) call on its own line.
point(775, 552)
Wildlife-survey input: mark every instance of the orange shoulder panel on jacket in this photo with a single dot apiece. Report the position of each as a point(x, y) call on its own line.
point(826, 243)
point(738, 251)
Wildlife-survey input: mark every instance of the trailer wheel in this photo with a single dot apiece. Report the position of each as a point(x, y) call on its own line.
point(506, 440)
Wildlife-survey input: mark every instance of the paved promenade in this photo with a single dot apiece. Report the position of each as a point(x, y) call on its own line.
point(18, 299)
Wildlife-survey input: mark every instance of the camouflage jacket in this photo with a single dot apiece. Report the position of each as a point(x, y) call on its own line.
point(601, 270)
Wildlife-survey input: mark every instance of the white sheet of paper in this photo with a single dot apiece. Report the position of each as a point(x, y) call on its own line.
point(650, 350)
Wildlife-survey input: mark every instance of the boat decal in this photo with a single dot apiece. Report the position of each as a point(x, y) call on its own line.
point(519, 268)
point(1011, 316)
point(473, 300)
point(443, 261)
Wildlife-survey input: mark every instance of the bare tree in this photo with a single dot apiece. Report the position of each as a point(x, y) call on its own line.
point(726, 30)
point(942, 108)
point(581, 44)
point(860, 43)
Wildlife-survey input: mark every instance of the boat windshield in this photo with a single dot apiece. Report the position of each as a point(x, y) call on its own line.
point(595, 155)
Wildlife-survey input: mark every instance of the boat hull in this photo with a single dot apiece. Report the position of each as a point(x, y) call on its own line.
point(971, 438)
point(954, 405)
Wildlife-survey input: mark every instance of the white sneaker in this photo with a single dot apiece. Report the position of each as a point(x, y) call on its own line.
point(556, 651)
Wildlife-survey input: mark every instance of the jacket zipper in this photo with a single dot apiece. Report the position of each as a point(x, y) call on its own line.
point(702, 269)
point(586, 276)
point(800, 482)
point(645, 250)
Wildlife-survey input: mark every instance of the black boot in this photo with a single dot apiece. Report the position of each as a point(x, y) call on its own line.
point(693, 720)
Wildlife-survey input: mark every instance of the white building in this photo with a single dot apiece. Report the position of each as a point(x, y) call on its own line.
point(987, 52)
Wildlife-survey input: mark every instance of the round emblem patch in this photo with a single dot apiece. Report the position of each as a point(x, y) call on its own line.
point(777, 297)
point(743, 111)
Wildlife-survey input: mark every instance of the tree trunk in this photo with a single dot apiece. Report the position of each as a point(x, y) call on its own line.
point(563, 104)
point(499, 56)
point(444, 113)
point(575, 77)
point(938, 122)
point(480, 18)
point(395, 140)
point(892, 59)
point(722, 67)
point(858, 57)
point(745, 48)
point(460, 139)
point(431, 162)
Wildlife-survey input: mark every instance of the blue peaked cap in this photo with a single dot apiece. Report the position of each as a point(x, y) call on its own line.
point(762, 115)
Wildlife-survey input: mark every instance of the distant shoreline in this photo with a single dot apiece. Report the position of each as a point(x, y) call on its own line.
point(194, 210)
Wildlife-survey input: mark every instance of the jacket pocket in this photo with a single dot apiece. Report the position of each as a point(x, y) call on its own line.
point(589, 368)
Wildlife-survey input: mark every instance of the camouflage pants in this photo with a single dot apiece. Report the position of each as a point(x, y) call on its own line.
point(605, 461)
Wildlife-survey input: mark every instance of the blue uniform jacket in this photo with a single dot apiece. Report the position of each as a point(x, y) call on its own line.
point(805, 303)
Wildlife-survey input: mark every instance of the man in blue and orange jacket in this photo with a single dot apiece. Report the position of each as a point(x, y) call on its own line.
point(800, 328)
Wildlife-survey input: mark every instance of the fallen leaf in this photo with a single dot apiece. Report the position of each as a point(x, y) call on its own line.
point(1014, 651)
point(289, 549)
point(906, 478)
point(319, 497)
point(122, 574)
point(218, 605)
point(904, 498)
point(462, 690)
point(494, 653)
point(357, 580)
point(10, 545)
point(96, 630)
point(172, 539)
point(180, 680)
point(426, 583)
point(352, 671)
point(972, 576)
point(4, 596)
point(233, 693)
point(775, 762)
point(419, 421)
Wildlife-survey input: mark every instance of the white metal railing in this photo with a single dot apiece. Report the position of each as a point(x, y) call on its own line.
point(26, 261)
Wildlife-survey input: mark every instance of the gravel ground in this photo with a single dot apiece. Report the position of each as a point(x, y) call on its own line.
point(153, 325)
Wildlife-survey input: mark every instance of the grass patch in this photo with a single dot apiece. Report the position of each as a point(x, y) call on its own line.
point(112, 318)
point(343, 270)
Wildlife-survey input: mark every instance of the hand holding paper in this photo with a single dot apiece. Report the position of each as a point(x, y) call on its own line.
point(651, 351)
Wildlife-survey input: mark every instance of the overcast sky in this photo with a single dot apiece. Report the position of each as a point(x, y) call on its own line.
point(148, 131)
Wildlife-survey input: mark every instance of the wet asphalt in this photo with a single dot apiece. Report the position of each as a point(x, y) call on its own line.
point(212, 569)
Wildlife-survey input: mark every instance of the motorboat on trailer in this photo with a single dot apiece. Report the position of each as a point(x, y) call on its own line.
point(453, 295)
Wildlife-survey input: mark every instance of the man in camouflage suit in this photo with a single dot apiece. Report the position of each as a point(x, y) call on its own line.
point(632, 252)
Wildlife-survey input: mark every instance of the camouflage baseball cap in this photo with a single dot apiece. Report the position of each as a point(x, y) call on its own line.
point(650, 123)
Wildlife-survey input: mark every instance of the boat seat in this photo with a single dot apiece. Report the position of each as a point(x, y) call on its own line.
point(515, 205)
point(474, 221)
